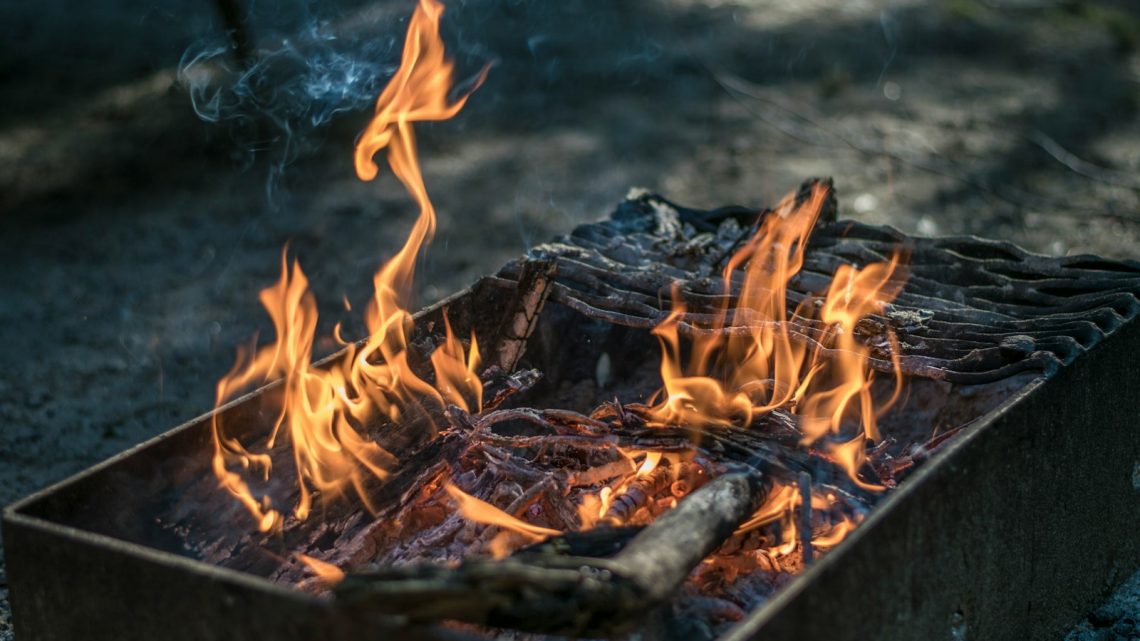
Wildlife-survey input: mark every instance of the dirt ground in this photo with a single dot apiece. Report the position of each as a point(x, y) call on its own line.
point(136, 236)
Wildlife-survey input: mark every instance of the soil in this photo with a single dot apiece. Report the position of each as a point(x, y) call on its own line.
point(136, 236)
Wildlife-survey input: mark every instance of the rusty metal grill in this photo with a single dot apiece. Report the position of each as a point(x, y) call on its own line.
point(968, 545)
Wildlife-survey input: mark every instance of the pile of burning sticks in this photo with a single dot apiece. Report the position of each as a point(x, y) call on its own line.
point(680, 409)
point(619, 510)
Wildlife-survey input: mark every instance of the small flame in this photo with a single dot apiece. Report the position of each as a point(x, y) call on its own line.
point(479, 511)
point(652, 459)
point(324, 410)
point(781, 500)
point(749, 362)
point(835, 535)
point(326, 572)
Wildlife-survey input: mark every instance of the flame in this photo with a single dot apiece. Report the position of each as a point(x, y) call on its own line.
point(326, 572)
point(479, 511)
point(323, 410)
point(835, 535)
point(781, 500)
point(749, 361)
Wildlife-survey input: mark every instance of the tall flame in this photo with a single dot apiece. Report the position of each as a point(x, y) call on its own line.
point(747, 361)
point(323, 410)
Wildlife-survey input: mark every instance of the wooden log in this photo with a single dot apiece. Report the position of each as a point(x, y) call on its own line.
point(659, 558)
point(568, 595)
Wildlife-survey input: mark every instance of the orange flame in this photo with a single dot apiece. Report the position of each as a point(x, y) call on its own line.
point(750, 361)
point(480, 511)
point(325, 571)
point(323, 410)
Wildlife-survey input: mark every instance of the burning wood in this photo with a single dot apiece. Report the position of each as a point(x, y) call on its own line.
point(570, 595)
point(533, 289)
point(749, 447)
point(323, 408)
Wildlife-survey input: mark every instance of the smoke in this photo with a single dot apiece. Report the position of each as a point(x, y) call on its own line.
point(314, 61)
point(289, 89)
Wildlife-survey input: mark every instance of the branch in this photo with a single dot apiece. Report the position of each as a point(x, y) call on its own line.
point(568, 595)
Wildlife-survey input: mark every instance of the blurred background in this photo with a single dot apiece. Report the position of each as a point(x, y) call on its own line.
point(150, 174)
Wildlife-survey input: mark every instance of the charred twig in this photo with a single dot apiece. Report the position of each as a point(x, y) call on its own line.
point(558, 421)
point(533, 288)
point(500, 384)
point(665, 552)
point(803, 524)
point(895, 468)
point(568, 595)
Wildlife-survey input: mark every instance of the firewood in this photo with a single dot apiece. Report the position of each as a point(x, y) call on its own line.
point(569, 595)
point(599, 542)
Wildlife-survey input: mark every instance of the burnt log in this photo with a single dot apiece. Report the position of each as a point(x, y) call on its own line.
point(570, 595)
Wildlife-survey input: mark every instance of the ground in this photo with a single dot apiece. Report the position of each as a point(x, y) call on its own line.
point(136, 236)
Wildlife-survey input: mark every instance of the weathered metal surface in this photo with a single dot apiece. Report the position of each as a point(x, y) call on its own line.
point(1014, 532)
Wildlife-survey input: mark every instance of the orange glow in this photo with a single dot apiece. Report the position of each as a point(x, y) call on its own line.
point(835, 535)
point(323, 410)
point(781, 500)
point(735, 366)
point(480, 511)
point(650, 464)
point(748, 361)
point(326, 572)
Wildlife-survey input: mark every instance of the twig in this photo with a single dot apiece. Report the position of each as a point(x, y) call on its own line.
point(803, 526)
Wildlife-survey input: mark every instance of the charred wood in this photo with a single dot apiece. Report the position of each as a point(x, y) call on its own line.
point(533, 287)
point(568, 595)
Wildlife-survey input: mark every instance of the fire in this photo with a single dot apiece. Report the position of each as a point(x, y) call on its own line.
point(740, 362)
point(324, 410)
point(781, 505)
point(324, 571)
point(748, 361)
point(744, 362)
point(480, 511)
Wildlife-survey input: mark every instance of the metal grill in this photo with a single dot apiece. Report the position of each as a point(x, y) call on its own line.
point(111, 553)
